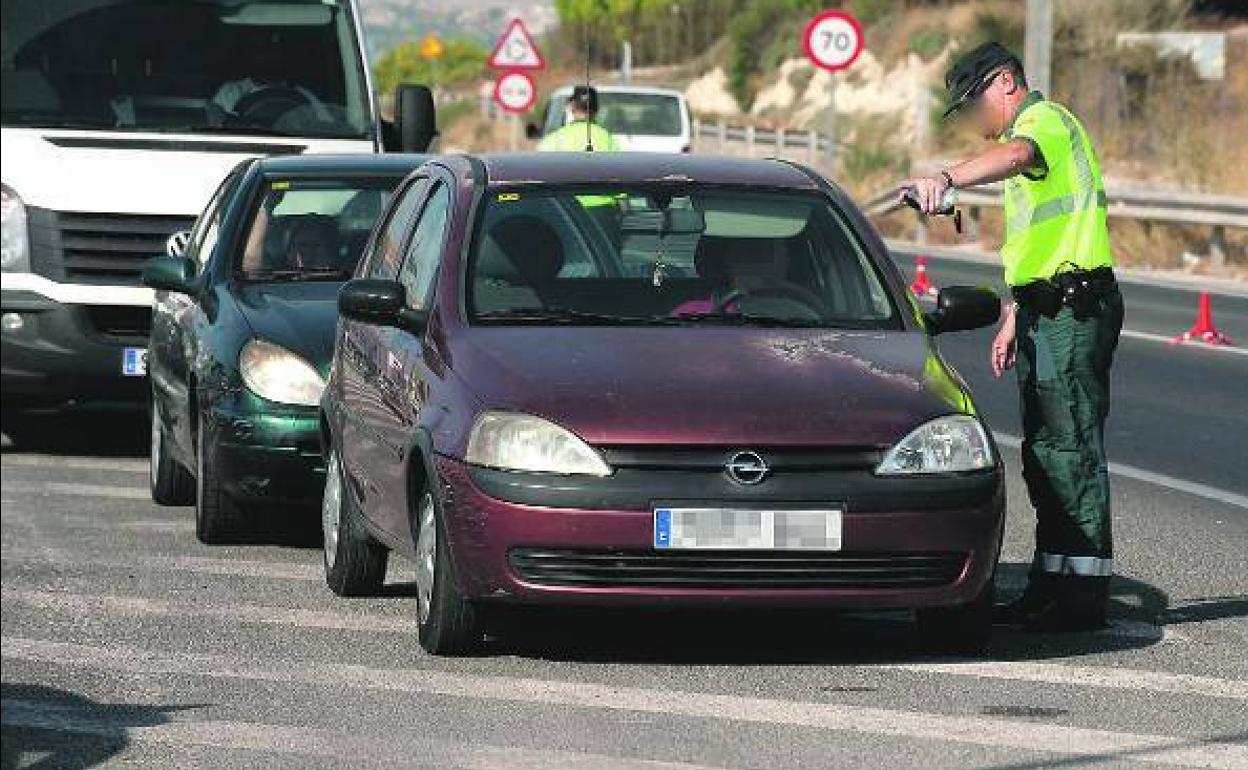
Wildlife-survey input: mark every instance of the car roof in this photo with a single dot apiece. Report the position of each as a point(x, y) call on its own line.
point(623, 88)
point(538, 168)
point(344, 163)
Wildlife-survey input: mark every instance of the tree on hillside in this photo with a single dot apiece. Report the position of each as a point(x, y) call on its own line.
point(462, 63)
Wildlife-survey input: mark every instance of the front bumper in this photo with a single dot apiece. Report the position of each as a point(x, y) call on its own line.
point(265, 452)
point(948, 529)
point(69, 353)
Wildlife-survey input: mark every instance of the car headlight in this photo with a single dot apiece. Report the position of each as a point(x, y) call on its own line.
point(522, 442)
point(944, 445)
point(14, 235)
point(273, 372)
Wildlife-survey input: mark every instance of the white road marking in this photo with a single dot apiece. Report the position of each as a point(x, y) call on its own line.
point(80, 490)
point(195, 564)
point(236, 612)
point(1150, 337)
point(1158, 479)
point(398, 748)
point(125, 465)
point(1088, 676)
point(973, 730)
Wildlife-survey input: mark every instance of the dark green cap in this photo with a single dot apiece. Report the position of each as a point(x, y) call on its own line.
point(971, 74)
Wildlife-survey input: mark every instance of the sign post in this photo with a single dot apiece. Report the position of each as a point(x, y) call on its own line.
point(832, 41)
point(514, 90)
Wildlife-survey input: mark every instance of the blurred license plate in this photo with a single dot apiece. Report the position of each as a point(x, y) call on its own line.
point(134, 362)
point(747, 529)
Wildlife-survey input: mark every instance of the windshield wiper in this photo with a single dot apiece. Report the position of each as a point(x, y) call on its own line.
point(296, 275)
point(561, 316)
point(748, 319)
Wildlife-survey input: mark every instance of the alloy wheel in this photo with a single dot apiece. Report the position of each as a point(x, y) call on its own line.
point(156, 449)
point(426, 555)
point(331, 509)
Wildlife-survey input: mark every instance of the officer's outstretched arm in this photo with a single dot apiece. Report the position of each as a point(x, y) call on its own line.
point(996, 164)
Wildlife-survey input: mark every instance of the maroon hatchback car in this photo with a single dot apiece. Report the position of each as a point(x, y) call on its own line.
point(630, 379)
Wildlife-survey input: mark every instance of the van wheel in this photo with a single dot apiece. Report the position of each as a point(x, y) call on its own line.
point(171, 483)
point(218, 517)
point(355, 563)
point(961, 629)
point(446, 621)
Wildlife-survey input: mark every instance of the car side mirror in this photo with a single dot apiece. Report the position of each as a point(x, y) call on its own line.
point(379, 303)
point(531, 131)
point(960, 308)
point(169, 273)
point(415, 119)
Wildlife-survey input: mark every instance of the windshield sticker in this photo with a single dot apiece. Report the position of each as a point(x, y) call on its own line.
point(281, 185)
point(508, 197)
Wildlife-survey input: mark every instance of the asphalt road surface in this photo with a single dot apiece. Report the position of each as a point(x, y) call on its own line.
point(125, 643)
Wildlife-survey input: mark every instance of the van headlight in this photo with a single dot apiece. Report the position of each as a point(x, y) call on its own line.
point(273, 372)
point(14, 235)
point(944, 445)
point(522, 442)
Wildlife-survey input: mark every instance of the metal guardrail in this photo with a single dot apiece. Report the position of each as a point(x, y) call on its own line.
point(1218, 212)
point(808, 146)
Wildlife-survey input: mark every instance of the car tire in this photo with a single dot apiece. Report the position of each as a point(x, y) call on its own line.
point(960, 629)
point(446, 621)
point(218, 517)
point(355, 563)
point(171, 484)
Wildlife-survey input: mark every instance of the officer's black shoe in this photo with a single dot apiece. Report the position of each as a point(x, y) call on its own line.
point(1035, 602)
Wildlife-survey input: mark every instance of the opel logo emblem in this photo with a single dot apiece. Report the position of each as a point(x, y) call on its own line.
point(177, 243)
point(746, 468)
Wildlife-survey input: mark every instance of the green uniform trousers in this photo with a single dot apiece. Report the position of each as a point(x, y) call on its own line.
point(1063, 363)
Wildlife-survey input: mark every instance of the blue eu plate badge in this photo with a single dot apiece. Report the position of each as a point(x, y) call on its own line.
point(134, 362)
point(662, 528)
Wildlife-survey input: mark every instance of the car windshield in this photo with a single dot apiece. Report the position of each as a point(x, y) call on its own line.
point(683, 255)
point(196, 66)
point(628, 113)
point(312, 229)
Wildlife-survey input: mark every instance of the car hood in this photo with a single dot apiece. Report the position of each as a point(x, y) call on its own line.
point(300, 317)
point(713, 386)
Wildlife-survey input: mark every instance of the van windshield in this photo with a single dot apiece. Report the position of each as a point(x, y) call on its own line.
point(672, 255)
point(288, 68)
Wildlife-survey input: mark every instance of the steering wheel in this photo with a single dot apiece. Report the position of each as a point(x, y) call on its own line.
point(790, 291)
point(268, 103)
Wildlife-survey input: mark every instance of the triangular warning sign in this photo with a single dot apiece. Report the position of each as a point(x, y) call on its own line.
point(515, 50)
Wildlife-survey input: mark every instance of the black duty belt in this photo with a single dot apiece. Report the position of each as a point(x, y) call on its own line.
point(1080, 290)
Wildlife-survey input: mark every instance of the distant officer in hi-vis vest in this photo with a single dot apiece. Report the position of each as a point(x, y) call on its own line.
point(1061, 329)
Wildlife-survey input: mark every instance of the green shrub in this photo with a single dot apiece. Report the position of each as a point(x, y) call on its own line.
point(928, 42)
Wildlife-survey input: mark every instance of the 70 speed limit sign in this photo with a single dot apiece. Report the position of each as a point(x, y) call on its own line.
point(833, 40)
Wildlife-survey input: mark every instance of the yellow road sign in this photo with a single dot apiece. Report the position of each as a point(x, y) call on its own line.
point(431, 47)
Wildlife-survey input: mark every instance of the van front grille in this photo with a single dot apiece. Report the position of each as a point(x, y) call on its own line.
point(111, 248)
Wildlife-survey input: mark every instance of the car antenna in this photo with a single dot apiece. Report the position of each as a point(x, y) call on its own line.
point(589, 135)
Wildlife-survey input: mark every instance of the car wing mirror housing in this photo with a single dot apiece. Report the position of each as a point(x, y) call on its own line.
point(379, 303)
point(960, 308)
point(169, 274)
point(415, 120)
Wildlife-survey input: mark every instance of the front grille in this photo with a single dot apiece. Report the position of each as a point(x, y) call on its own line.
point(606, 568)
point(121, 321)
point(796, 459)
point(111, 248)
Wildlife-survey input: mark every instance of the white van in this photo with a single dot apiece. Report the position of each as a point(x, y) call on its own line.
point(120, 117)
point(641, 118)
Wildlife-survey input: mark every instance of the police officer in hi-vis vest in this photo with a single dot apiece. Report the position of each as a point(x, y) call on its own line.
point(1061, 329)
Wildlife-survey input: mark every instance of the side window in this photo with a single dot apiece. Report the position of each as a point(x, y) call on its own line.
point(420, 264)
point(207, 229)
point(384, 260)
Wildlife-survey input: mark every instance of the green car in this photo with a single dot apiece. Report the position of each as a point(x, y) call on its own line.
point(243, 333)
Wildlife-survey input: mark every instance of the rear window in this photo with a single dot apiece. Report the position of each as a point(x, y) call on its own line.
point(312, 229)
point(684, 255)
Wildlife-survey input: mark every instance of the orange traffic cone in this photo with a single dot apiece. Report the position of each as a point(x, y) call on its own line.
point(1203, 329)
point(922, 285)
